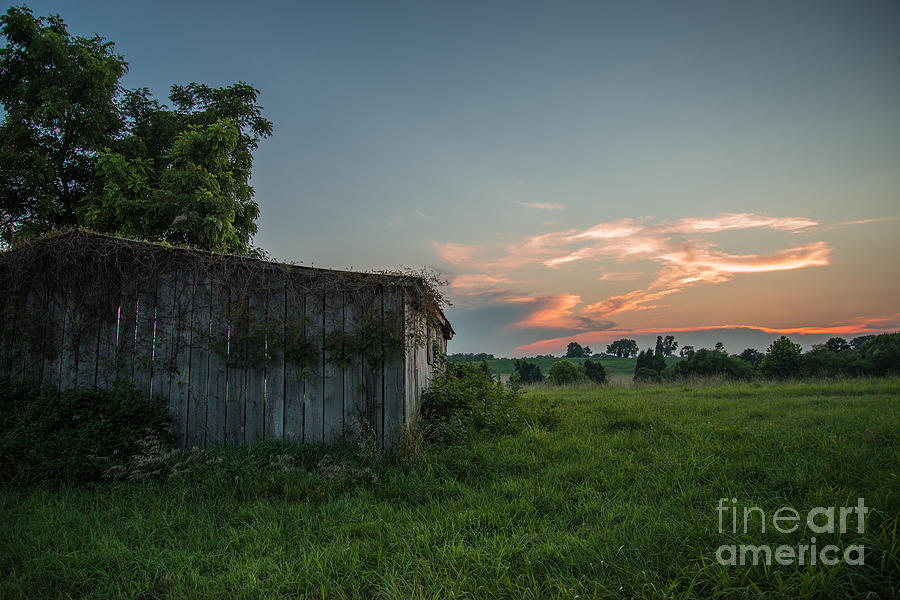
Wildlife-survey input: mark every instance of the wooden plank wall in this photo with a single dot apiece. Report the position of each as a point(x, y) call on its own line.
point(212, 356)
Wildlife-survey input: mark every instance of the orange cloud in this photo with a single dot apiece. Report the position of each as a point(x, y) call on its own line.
point(456, 253)
point(860, 327)
point(690, 265)
point(490, 270)
point(555, 312)
point(733, 221)
point(620, 276)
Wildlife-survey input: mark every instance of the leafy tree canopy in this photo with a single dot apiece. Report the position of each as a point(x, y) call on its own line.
point(575, 350)
point(78, 149)
point(669, 345)
point(752, 356)
point(623, 348)
point(837, 344)
point(782, 358)
point(706, 363)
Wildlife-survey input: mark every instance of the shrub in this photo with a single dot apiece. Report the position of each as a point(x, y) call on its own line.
point(463, 399)
point(564, 371)
point(706, 363)
point(594, 371)
point(74, 436)
point(528, 372)
point(823, 362)
point(646, 375)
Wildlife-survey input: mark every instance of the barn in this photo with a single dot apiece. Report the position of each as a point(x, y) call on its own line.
point(238, 349)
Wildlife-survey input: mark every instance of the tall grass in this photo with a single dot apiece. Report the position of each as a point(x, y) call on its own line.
point(603, 492)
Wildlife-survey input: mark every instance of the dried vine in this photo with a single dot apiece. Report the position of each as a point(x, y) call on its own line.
point(88, 277)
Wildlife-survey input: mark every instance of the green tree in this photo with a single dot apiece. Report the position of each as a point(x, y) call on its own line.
point(116, 160)
point(59, 93)
point(658, 360)
point(623, 348)
point(528, 372)
point(564, 371)
point(752, 356)
point(649, 359)
point(706, 363)
point(860, 340)
point(882, 354)
point(686, 351)
point(574, 350)
point(669, 345)
point(594, 371)
point(837, 344)
point(719, 347)
point(782, 359)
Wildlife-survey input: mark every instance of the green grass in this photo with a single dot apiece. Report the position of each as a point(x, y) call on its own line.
point(606, 492)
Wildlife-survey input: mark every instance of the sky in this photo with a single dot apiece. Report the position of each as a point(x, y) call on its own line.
point(719, 171)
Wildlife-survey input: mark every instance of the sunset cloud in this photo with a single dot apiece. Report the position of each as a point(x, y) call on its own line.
point(620, 276)
point(683, 255)
point(555, 312)
point(605, 336)
point(479, 283)
point(734, 221)
point(543, 205)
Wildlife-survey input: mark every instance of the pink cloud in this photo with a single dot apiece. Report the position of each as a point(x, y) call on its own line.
point(492, 270)
point(479, 283)
point(620, 276)
point(858, 327)
point(556, 311)
point(734, 221)
point(455, 253)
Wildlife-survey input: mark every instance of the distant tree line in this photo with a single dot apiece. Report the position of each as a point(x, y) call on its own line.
point(867, 355)
point(874, 355)
point(469, 357)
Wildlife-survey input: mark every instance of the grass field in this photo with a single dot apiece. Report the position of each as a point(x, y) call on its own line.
point(606, 492)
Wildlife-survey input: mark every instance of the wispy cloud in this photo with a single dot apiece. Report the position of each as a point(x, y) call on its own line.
point(867, 221)
point(480, 284)
point(543, 205)
point(734, 221)
point(684, 255)
point(620, 276)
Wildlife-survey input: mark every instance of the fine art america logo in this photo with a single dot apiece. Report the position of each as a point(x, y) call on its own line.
point(819, 520)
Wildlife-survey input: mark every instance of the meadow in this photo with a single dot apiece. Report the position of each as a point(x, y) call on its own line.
point(603, 492)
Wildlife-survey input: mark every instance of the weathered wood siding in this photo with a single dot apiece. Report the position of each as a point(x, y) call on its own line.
point(208, 353)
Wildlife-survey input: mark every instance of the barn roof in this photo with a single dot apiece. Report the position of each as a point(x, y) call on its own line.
point(406, 280)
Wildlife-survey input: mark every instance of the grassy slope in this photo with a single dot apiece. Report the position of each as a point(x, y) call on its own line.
point(608, 492)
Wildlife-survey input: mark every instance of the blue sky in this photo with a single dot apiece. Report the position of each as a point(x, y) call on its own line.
point(493, 140)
